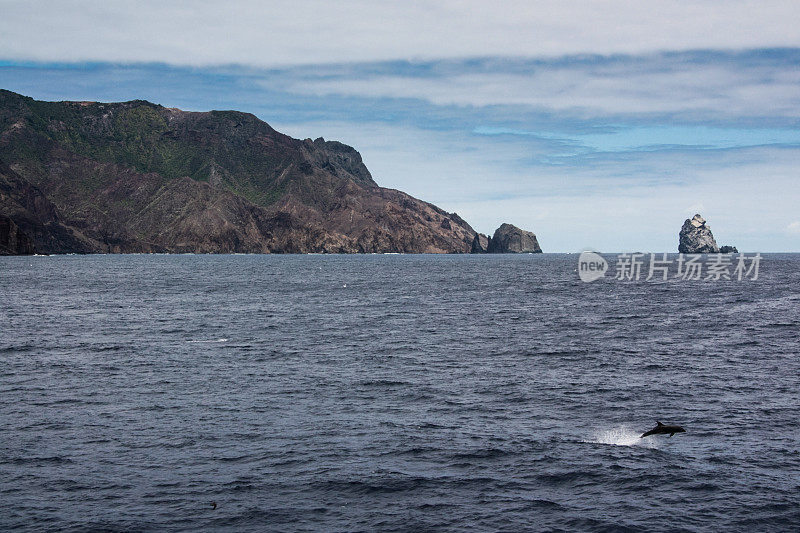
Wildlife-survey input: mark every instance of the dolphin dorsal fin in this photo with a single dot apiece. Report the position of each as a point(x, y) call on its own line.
point(659, 423)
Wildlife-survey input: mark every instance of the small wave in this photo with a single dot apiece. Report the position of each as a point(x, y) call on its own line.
point(208, 341)
point(483, 453)
point(383, 383)
point(434, 506)
point(572, 477)
point(56, 459)
point(380, 485)
point(19, 348)
point(620, 436)
point(543, 503)
point(416, 450)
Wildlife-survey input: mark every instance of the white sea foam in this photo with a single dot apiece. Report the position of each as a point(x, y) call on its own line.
point(621, 436)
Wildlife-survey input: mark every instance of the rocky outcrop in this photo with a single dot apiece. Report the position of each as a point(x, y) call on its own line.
point(728, 250)
point(509, 239)
point(12, 240)
point(137, 177)
point(480, 244)
point(695, 237)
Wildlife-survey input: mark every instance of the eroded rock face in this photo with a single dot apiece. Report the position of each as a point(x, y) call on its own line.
point(35, 216)
point(509, 239)
point(695, 237)
point(480, 244)
point(12, 240)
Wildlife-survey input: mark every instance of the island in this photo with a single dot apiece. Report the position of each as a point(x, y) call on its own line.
point(137, 177)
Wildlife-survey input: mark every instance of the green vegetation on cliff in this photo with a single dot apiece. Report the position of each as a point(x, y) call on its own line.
point(136, 176)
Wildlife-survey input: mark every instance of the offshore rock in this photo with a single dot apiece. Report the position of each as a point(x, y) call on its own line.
point(728, 250)
point(695, 237)
point(509, 239)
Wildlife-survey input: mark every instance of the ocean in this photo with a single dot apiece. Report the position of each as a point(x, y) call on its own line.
point(393, 393)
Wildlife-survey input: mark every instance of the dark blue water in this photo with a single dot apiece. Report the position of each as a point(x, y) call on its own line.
point(361, 393)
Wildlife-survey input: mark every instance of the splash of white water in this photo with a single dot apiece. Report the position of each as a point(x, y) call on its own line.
point(621, 436)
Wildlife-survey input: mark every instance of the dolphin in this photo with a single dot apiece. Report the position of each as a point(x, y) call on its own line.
point(661, 429)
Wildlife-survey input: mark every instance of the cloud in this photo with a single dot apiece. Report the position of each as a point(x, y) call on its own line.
point(694, 86)
point(794, 228)
point(288, 32)
point(611, 102)
point(695, 208)
point(659, 137)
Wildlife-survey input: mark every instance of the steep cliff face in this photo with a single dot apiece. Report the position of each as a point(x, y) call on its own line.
point(35, 216)
point(12, 240)
point(695, 237)
point(509, 239)
point(480, 244)
point(138, 177)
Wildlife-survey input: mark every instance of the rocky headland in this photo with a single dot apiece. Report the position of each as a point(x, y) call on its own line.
point(90, 177)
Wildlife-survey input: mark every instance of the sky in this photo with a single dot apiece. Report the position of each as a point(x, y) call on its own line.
point(596, 124)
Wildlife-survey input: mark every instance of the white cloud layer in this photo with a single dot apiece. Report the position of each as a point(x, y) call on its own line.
point(282, 32)
point(652, 84)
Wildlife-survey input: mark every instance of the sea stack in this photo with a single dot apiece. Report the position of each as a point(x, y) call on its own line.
point(696, 237)
point(509, 239)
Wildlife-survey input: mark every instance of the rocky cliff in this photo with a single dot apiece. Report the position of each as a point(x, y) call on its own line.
point(695, 237)
point(509, 239)
point(480, 244)
point(12, 240)
point(139, 177)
